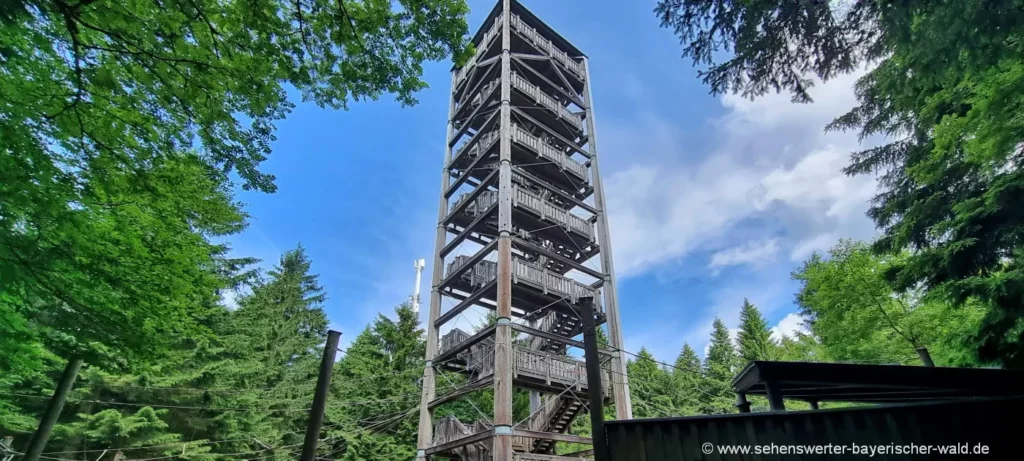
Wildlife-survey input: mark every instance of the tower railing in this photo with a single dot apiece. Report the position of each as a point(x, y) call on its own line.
point(520, 135)
point(464, 71)
point(546, 45)
point(529, 274)
point(486, 141)
point(524, 85)
point(524, 198)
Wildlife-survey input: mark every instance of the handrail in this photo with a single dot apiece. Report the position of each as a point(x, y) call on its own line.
point(479, 51)
point(529, 200)
point(546, 45)
point(541, 97)
point(520, 135)
point(483, 145)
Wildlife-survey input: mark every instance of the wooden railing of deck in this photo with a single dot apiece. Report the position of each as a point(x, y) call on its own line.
point(524, 85)
point(520, 135)
point(546, 46)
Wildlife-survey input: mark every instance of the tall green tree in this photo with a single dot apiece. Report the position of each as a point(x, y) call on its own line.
point(685, 382)
point(950, 166)
point(377, 392)
point(648, 387)
point(720, 366)
point(755, 339)
point(123, 125)
point(858, 317)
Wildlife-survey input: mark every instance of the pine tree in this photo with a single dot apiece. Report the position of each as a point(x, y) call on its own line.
point(685, 380)
point(375, 391)
point(755, 339)
point(648, 387)
point(719, 368)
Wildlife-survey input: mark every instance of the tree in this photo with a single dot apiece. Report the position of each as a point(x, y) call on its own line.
point(802, 347)
point(648, 387)
point(858, 317)
point(755, 339)
point(685, 382)
point(376, 387)
point(719, 368)
point(950, 169)
point(123, 125)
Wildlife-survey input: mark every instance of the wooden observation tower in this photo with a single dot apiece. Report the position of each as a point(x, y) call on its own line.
point(521, 231)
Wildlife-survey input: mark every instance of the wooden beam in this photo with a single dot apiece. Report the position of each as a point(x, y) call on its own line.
point(559, 258)
point(472, 196)
point(479, 436)
point(469, 301)
point(554, 189)
point(450, 246)
point(473, 260)
point(552, 436)
point(465, 126)
point(560, 339)
point(572, 145)
point(476, 87)
point(469, 342)
point(575, 99)
point(464, 390)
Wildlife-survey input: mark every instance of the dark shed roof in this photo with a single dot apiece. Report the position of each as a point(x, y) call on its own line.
point(876, 383)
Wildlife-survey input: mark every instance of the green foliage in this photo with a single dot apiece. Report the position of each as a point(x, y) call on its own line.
point(121, 125)
point(685, 382)
point(648, 387)
point(755, 339)
point(376, 383)
point(943, 90)
point(720, 365)
point(858, 317)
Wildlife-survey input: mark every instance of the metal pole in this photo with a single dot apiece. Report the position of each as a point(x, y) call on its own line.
point(594, 385)
point(323, 385)
point(38, 441)
point(741, 402)
point(775, 400)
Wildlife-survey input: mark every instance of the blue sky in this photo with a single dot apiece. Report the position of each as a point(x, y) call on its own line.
point(711, 199)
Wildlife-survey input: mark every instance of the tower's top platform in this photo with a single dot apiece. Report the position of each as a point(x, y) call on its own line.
point(535, 22)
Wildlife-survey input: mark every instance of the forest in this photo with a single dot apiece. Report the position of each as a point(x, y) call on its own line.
point(128, 128)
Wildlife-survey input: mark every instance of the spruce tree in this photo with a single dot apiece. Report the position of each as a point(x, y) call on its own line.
point(719, 368)
point(374, 404)
point(648, 387)
point(685, 381)
point(755, 339)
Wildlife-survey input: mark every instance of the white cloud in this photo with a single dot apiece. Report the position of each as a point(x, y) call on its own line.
point(752, 252)
point(790, 325)
point(774, 164)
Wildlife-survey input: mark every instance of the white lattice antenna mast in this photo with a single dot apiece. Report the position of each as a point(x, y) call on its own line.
point(419, 264)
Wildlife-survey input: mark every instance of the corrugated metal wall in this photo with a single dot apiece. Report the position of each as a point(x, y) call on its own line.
point(995, 423)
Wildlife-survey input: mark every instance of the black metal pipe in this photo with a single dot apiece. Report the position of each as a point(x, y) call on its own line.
point(323, 386)
point(53, 409)
point(594, 385)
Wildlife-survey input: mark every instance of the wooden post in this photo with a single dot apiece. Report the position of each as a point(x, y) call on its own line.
point(814, 404)
point(620, 381)
point(775, 401)
point(323, 386)
point(594, 385)
point(425, 436)
point(503, 363)
point(926, 358)
point(42, 434)
point(741, 402)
